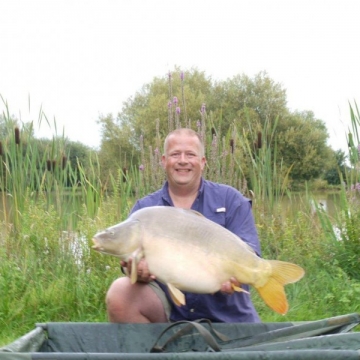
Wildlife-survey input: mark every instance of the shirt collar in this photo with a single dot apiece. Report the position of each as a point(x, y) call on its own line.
point(166, 196)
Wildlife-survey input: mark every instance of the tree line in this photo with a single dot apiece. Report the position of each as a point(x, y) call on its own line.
point(234, 111)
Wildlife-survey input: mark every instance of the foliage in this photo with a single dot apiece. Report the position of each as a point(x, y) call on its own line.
point(241, 97)
point(301, 143)
point(235, 105)
point(50, 274)
point(344, 236)
point(337, 169)
point(33, 166)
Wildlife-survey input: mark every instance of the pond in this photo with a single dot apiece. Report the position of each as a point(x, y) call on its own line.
point(328, 201)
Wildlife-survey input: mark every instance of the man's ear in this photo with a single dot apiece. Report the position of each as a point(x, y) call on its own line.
point(163, 160)
point(203, 162)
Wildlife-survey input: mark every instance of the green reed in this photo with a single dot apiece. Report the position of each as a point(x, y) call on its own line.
point(343, 234)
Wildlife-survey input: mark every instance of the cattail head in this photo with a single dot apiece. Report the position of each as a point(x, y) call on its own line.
point(124, 170)
point(53, 165)
point(63, 162)
point(17, 136)
point(213, 132)
point(1, 149)
point(259, 140)
point(232, 145)
point(48, 165)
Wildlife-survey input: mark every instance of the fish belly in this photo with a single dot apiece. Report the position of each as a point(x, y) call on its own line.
point(187, 268)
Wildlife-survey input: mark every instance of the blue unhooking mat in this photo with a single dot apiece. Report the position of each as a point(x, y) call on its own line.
point(331, 338)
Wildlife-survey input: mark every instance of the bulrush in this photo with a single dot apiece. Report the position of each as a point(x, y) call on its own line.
point(124, 170)
point(232, 145)
point(63, 162)
point(17, 136)
point(48, 165)
point(259, 140)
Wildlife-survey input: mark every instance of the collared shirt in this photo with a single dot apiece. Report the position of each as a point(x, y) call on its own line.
point(226, 206)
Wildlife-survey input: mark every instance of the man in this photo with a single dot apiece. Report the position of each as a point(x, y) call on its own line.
point(148, 300)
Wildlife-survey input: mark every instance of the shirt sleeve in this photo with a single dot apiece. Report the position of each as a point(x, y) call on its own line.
point(135, 207)
point(240, 219)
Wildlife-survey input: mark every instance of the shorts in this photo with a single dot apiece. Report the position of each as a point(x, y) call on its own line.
point(161, 295)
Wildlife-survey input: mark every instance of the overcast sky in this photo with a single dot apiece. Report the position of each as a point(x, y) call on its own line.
point(78, 59)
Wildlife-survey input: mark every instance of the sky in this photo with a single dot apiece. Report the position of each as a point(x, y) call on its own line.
point(77, 60)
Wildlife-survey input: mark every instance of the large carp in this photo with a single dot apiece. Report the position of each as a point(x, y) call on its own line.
point(188, 252)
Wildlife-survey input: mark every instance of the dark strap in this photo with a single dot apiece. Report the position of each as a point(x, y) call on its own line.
point(209, 339)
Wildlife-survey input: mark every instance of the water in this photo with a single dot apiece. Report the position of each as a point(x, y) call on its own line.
point(328, 201)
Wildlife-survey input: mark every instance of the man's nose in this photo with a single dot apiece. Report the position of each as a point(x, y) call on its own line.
point(183, 158)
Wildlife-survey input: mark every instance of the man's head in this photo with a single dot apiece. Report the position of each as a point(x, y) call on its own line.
point(183, 158)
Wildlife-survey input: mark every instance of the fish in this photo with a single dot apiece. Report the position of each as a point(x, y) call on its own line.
point(188, 252)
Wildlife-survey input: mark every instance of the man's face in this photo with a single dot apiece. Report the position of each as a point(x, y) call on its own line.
point(183, 160)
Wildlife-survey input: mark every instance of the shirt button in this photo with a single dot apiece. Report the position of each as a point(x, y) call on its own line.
point(192, 310)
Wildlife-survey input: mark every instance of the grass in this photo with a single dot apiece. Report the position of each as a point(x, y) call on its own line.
point(48, 272)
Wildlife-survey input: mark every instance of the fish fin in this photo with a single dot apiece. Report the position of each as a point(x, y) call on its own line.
point(273, 292)
point(274, 296)
point(136, 256)
point(133, 275)
point(239, 289)
point(194, 212)
point(176, 295)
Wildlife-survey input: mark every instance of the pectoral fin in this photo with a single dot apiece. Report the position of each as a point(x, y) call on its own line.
point(136, 256)
point(176, 295)
point(239, 289)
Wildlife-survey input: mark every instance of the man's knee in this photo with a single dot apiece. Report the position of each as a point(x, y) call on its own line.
point(118, 288)
point(138, 302)
point(116, 295)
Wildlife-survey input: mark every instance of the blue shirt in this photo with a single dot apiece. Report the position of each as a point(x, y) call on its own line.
point(226, 206)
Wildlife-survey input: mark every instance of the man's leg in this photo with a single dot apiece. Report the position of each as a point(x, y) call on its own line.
point(136, 303)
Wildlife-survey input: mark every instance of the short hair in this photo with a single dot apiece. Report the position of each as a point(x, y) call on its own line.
point(187, 132)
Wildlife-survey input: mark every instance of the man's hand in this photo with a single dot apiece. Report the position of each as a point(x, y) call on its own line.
point(228, 287)
point(143, 274)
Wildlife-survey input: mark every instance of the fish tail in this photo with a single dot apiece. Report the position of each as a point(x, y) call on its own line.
point(273, 292)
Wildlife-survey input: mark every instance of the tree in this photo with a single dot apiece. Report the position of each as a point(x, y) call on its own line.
point(242, 98)
point(332, 176)
point(156, 108)
point(301, 141)
point(119, 148)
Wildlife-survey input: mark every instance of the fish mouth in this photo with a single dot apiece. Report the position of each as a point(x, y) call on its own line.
point(96, 245)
